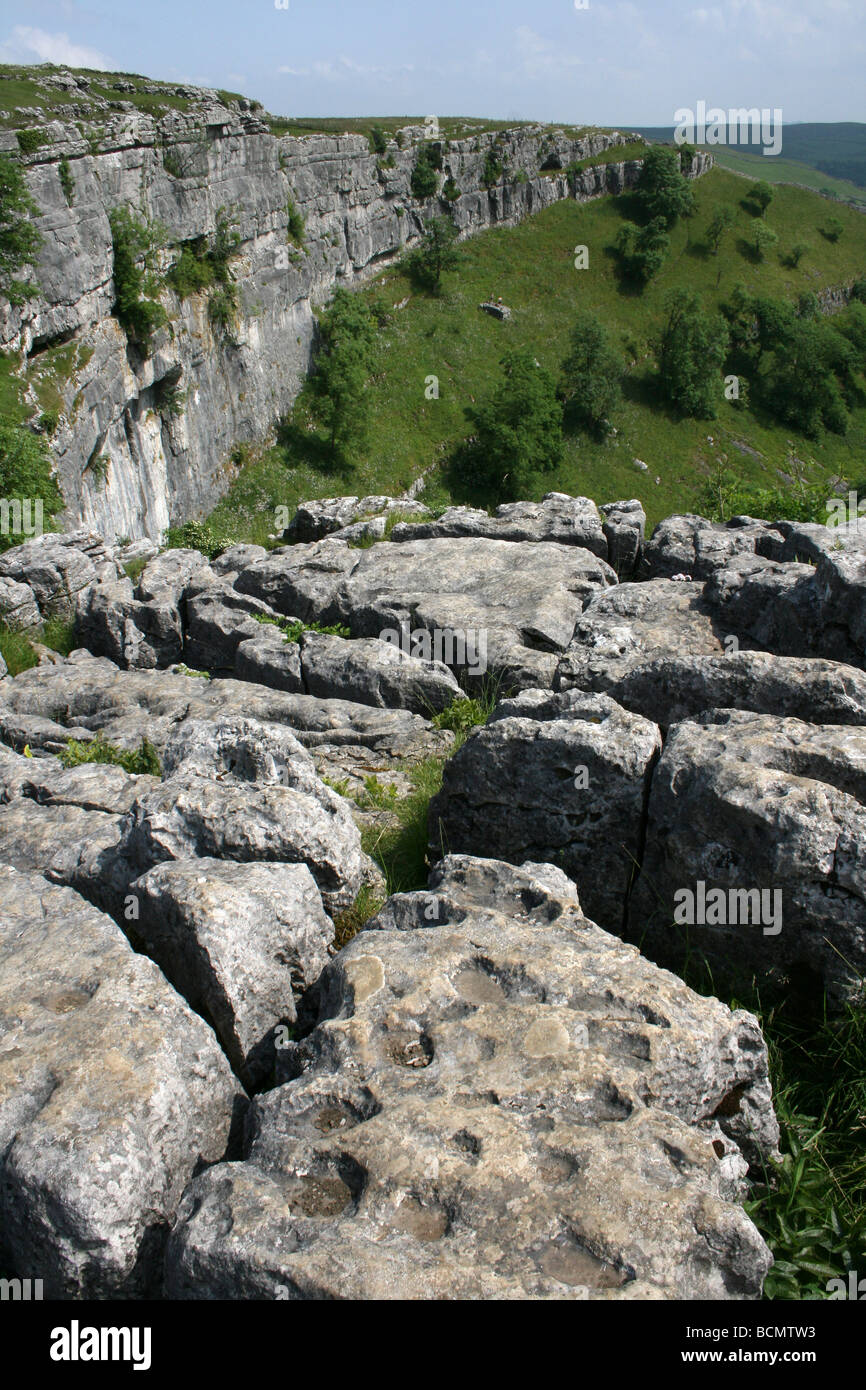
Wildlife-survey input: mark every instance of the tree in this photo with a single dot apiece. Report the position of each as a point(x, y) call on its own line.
point(25, 477)
point(343, 362)
point(721, 224)
point(590, 375)
point(642, 250)
point(136, 283)
point(765, 240)
point(661, 188)
point(691, 352)
point(19, 238)
point(797, 252)
point(811, 371)
point(436, 254)
point(518, 430)
point(832, 229)
point(761, 194)
point(378, 140)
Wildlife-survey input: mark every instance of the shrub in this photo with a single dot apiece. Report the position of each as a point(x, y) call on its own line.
point(436, 254)
point(30, 140)
point(518, 429)
point(25, 477)
point(642, 250)
point(450, 192)
point(765, 239)
point(196, 535)
point(832, 229)
point(168, 398)
point(378, 140)
point(691, 352)
point(424, 181)
point(492, 171)
point(296, 230)
point(222, 307)
point(144, 760)
point(590, 384)
point(67, 182)
point(135, 244)
point(761, 195)
point(19, 238)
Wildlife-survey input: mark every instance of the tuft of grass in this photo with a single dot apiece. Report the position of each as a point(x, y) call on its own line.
point(400, 849)
point(292, 630)
point(144, 759)
point(17, 651)
point(347, 924)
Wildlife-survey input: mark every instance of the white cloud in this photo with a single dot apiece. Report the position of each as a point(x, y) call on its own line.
point(345, 68)
point(25, 45)
point(540, 57)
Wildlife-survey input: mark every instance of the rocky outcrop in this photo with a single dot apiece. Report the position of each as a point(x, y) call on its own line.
point(167, 423)
point(485, 1058)
point(112, 1094)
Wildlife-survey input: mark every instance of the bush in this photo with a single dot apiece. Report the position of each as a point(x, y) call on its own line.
point(691, 352)
point(590, 384)
point(192, 271)
point(378, 140)
point(832, 229)
point(338, 400)
point(436, 255)
point(642, 250)
point(518, 430)
point(222, 308)
point(67, 182)
point(19, 239)
point(492, 172)
point(296, 229)
point(135, 244)
point(450, 192)
point(144, 761)
point(30, 140)
point(25, 478)
point(761, 195)
point(424, 181)
point(196, 535)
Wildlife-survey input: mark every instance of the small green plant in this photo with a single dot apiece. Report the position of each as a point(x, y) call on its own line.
point(222, 308)
point(424, 181)
point(48, 421)
point(296, 229)
point(169, 400)
point(17, 651)
point(196, 535)
point(450, 191)
point(183, 670)
point(378, 140)
point(136, 282)
point(30, 140)
point(292, 630)
point(347, 924)
point(171, 163)
point(134, 569)
point(19, 238)
point(462, 715)
point(67, 182)
point(97, 466)
point(59, 635)
point(142, 761)
point(492, 171)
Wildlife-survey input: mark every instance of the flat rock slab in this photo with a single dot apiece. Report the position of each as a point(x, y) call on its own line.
point(241, 942)
point(485, 1060)
point(632, 624)
point(674, 688)
point(558, 517)
point(554, 777)
point(112, 1094)
point(520, 599)
point(754, 804)
point(87, 694)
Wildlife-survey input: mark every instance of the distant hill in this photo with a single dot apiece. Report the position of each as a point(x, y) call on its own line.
point(837, 148)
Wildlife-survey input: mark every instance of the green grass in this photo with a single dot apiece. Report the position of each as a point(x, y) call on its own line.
point(450, 127)
point(532, 267)
point(20, 86)
point(17, 648)
point(143, 759)
point(780, 170)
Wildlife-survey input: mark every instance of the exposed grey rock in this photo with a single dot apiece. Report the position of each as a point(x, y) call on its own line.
point(92, 786)
point(632, 624)
point(558, 517)
point(236, 558)
point(554, 777)
point(673, 688)
point(690, 544)
point(267, 658)
point(751, 802)
point(322, 517)
point(110, 622)
point(624, 526)
point(236, 789)
point(777, 607)
point(166, 577)
point(374, 673)
point(476, 1077)
point(112, 1094)
point(522, 599)
point(218, 620)
point(55, 570)
point(18, 607)
point(241, 942)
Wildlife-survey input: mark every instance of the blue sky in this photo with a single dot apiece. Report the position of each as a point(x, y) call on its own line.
point(614, 62)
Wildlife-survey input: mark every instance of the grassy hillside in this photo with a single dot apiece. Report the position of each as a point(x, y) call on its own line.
point(836, 149)
point(781, 170)
point(532, 268)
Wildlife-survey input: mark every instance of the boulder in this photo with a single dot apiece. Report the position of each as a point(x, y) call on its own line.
point(241, 942)
point(166, 577)
point(374, 673)
point(554, 777)
point(481, 1066)
point(19, 610)
point(624, 524)
point(559, 518)
point(322, 517)
point(110, 622)
point(267, 658)
point(113, 1093)
point(692, 545)
point(54, 569)
point(773, 808)
point(218, 620)
point(631, 624)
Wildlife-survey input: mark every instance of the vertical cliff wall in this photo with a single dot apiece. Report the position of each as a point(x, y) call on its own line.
point(126, 464)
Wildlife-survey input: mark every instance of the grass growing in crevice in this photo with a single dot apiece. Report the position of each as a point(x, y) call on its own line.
point(292, 630)
point(19, 652)
point(140, 761)
point(400, 850)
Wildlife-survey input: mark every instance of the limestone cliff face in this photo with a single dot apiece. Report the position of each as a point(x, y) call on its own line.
point(359, 214)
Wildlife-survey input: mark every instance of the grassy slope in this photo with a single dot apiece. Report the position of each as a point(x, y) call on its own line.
point(531, 267)
point(782, 170)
